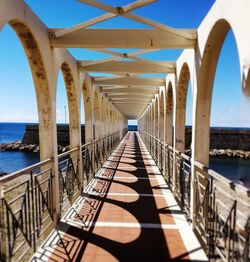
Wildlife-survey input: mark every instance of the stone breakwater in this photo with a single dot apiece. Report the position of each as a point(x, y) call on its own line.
point(19, 146)
point(229, 153)
point(225, 153)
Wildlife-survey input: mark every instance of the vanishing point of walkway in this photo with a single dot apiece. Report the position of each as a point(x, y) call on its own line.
point(127, 213)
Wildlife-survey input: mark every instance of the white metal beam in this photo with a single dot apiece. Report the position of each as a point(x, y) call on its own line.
point(132, 81)
point(117, 55)
point(157, 25)
point(130, 67)
point(128, 90)
point(114, 12)
point(130, 99)
point(122, 38)
point(139, 88)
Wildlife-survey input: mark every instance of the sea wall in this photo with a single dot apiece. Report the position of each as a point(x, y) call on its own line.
point(220, 138)
point(31, 135)
point(225, 138)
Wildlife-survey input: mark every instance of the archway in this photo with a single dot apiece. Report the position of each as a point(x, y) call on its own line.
point(205, 88)
point(41, 87)
point(181, 108)
point(88, 106)
point(73, 109)
point(97, 116)
point(18, 107)
point(169, 115)
point(229, 116)
point(161, 116)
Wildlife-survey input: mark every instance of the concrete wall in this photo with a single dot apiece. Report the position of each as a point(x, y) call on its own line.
point(31, 135)
point(221, 138)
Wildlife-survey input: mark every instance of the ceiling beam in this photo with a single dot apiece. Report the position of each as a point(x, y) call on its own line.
point(120, 103)
point(122, 38)
point(131, 99)
point(139, 88)
point(113, 12)
point(146, 96)
point(134, 110)
point(130, 67)
point(108, 8)
point(140, 19)
point(128, 90)
point(131, 81)
point(117, 55)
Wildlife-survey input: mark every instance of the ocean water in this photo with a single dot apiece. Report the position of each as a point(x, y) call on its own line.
point(14, 161)
point(132, 127)
point(233, 168)
point(10, 132)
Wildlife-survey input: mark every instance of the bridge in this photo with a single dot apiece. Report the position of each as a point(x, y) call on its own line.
point(125, 195)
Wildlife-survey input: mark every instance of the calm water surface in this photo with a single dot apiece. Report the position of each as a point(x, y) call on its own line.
point(13, 161)
point(235, 169)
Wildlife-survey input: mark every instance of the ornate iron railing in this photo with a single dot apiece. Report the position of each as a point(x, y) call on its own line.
point(26, 210)
point(87, 162)
point(183, 181)
point(69, 178)
point(221, 208)
point(168, 172)
point(161, 155)
point(221, 216)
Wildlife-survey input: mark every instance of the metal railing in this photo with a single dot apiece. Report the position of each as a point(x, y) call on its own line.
point(183, 182)
point(26, 210)
point(69, 178)
point(28, 197)
point(221, 215)
point(221, 209)
point(87, 162)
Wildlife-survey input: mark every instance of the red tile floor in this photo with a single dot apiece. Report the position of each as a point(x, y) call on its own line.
point(127, 213)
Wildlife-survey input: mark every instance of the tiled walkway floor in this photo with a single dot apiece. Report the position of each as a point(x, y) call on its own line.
point(127, 214)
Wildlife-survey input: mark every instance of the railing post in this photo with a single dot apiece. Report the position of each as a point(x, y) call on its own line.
point(174, 170)
point(80, 170)
point(192, 194)
point(3, 251)
point(56, 192)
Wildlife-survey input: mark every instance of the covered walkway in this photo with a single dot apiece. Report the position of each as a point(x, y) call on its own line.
point(126, 213)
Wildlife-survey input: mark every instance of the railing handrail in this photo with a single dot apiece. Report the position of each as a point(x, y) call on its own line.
point(25, 170)
point(68, 152)
point(87, 144)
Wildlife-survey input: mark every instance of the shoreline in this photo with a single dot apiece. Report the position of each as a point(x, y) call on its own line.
point(18, 146)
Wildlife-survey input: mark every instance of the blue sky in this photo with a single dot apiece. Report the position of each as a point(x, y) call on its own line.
point(18, 102)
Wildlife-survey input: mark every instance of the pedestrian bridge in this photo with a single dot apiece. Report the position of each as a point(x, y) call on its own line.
point(125, 195)
point(123, 209)
point(126, 213)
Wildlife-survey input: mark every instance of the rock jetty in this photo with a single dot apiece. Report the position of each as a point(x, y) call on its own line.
point(230, 153)
point(225, 153)
point(19, 146)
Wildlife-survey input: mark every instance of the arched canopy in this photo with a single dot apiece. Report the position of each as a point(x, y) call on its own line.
point(41, 85)
point(162, 115)
point(73, 104)
point(169, 113)
point(205, 82)
point(180, 111)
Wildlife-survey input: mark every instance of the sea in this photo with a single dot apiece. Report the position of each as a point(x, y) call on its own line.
point(11, 161)
point(235, 169)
